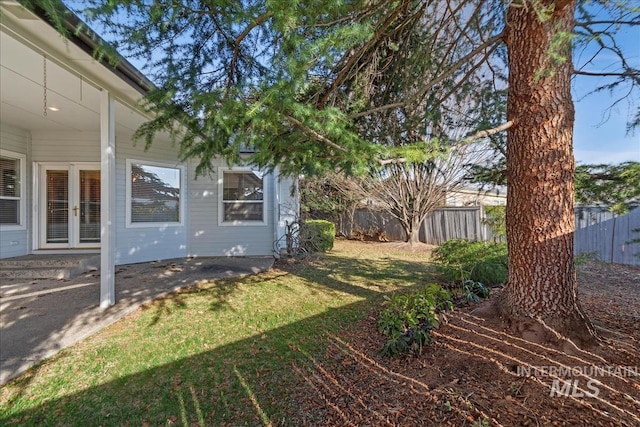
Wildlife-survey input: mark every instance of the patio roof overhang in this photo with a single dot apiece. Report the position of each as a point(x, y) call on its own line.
point(72, 77)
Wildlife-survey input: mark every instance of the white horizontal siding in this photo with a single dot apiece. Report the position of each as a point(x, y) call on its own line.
point(142, 244)
point(14, 243)
point(65, 146)
point(207, 238)
point(14, 139)
point(200, 235)
point(17, 242)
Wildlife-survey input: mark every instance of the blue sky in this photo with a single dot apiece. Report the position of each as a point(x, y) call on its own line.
point(600, 134)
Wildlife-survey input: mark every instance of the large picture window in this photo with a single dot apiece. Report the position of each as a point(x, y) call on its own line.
point(12, 189)
point(155, 193)
point(242, 196)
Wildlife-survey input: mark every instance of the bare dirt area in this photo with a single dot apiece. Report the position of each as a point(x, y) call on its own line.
point(475, 373)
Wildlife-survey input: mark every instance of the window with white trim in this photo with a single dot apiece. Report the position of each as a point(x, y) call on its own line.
point(242, 196)
point(154, 194)
point(12, 189)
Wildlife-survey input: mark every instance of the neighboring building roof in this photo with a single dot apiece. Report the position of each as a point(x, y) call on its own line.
point(477, 196)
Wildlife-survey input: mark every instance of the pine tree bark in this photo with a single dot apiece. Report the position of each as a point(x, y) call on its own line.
point(540, 298)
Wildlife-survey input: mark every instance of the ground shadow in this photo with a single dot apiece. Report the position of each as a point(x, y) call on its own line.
point(222, 384)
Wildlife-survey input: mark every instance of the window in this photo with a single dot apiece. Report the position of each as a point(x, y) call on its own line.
point(242, 196)
point(12, 197)
point(154, 194)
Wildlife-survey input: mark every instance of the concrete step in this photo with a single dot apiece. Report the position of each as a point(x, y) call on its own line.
point(47, 266)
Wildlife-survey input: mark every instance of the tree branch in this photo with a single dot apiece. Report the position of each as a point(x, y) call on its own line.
point(627, 73)
point(480, 134)
point(586, 24)
point(236, 43)
point(487, 132)
point(315, 134)
point(492, 41)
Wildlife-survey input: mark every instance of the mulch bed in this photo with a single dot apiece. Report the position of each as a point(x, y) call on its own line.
point(475, 372)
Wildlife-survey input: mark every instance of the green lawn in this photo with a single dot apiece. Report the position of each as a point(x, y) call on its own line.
point(218, 354)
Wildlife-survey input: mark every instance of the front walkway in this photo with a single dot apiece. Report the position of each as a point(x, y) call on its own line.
point(38, 318)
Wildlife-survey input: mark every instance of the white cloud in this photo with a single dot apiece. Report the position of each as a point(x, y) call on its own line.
point(608, 157)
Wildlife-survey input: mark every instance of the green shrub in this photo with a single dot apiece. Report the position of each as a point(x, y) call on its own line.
point(483, 262)
point(407, 319)
point(317, 235)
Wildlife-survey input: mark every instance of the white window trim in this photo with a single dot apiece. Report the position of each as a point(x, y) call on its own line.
point(183, 184)
point(265, 199)
point(22, 160)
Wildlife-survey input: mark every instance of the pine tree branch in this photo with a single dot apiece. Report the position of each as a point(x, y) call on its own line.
point(627, 73)
point(586, 24)
point(238, 40)
point(478, 135)
point(315, 134)
point(491, 43)
point(487, 132)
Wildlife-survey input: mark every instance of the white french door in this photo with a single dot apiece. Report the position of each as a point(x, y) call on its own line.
point(69, 200)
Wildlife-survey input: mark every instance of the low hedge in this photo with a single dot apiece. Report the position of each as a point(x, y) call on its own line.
point(318, 235)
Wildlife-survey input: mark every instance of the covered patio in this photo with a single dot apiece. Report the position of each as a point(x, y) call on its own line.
point(61, 112)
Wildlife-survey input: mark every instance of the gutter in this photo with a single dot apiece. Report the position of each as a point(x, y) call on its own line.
point(88, 40)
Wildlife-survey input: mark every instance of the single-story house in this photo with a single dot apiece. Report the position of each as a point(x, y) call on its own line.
point(73, 180)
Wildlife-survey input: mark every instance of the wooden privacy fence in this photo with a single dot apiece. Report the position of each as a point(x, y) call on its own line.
point(611, 240)
point(438, 227)
point(590, 215)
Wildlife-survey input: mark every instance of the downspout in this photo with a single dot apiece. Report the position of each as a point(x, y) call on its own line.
point(275, 210)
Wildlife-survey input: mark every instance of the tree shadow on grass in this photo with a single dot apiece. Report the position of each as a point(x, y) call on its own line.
point(362, 278)
point(243, 383)
point(216, 386)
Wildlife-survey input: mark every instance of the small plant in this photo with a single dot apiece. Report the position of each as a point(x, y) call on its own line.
point(473, 291)
point(460, 260)
point(407, 319)
point(584, 258)
point(515, 390)
point(481, 422)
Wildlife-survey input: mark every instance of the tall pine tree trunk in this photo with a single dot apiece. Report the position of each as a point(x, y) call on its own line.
point(541, 294)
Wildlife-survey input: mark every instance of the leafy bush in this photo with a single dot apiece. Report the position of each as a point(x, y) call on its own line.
point(317, 235)
point(407, 319)
point(483, 262)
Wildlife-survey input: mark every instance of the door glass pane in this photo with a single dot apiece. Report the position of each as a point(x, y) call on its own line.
point(57, 206)
point(89, 206)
